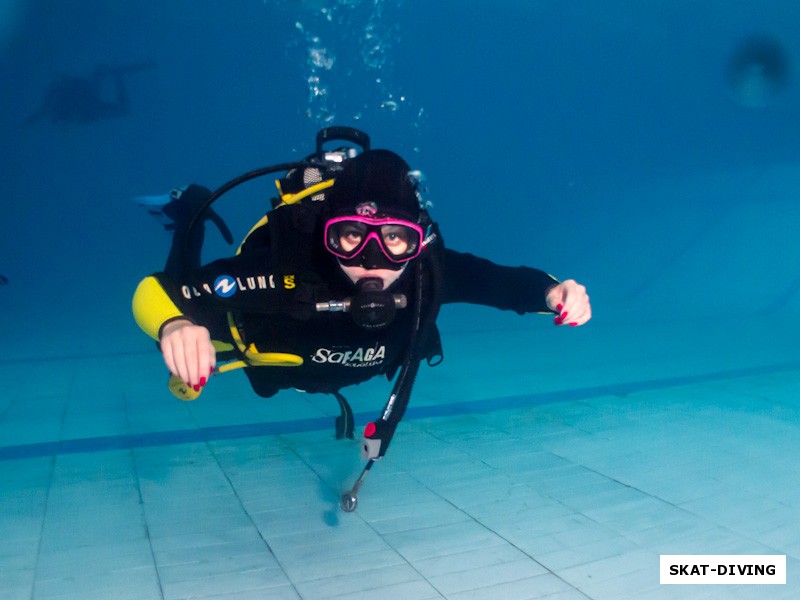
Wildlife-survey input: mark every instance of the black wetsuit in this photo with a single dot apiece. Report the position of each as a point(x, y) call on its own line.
point(336, 352)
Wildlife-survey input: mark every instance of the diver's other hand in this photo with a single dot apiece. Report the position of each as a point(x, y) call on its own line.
point(570, 302)
point(188, 352)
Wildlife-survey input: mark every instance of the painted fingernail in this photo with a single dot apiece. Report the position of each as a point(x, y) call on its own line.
point(573, 324)
point(559, 307)
point(210, 371)
point(196, 388)
point(563, 316)
point(558, 321)
point(202, 381)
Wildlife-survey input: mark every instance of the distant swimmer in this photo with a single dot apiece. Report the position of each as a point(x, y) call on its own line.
point(758, 71)
point(85, 99)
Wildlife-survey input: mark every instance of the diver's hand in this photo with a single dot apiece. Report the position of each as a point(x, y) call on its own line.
point(570, 302)
point(188, 352)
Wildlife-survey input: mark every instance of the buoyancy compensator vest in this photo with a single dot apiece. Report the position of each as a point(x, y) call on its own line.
point(296, 213)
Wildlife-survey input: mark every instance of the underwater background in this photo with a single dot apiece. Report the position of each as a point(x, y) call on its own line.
point(604, 141)
point(648, 150)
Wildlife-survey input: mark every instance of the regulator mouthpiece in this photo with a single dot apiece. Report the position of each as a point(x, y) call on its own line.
point(371, 307)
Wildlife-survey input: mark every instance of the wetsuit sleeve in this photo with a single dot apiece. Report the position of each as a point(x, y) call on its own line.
point(474, 280)
point(152, 307)
point(161, 298)
point(241, 283)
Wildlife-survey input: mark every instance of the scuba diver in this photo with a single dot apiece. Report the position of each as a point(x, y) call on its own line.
point(339, 283)
point(83, 100)
point(758, 70)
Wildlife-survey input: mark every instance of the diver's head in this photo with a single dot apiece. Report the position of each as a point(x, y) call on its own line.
point(375, 226)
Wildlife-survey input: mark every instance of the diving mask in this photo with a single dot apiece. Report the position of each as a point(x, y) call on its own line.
point(399, 240)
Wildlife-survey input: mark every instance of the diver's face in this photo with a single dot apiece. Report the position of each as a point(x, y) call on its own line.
point(371, 244)
point(394, 240)
point(363, 253)
point(358, 273)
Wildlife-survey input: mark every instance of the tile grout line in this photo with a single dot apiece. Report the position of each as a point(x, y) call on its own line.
point(499, 535)
point(677, 507)
point(135, 465)
point(135, 468)
point(204, 434)
point(209, 447)
point(367, 523)
point(50, 478)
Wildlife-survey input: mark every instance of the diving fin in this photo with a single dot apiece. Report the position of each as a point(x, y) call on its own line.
point(177, 207)
point(154, 205)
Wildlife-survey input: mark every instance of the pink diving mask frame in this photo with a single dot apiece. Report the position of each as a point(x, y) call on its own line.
point(374, 230)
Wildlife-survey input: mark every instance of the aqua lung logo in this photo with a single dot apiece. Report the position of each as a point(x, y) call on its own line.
point(226, 286)
point(360, 357)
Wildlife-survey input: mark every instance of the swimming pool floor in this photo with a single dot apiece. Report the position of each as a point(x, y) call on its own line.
point(561, 472)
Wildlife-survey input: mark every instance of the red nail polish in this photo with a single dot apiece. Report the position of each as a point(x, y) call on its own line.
point(558, 321)
point(563, 316)
point(202, 381)
point(573, 324)
point(210, 371)
point(559, 307)
point(196, 388)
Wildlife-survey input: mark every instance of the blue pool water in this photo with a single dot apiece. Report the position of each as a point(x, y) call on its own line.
point(648, 150)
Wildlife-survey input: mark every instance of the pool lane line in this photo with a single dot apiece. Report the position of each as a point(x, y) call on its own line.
point(248, 430)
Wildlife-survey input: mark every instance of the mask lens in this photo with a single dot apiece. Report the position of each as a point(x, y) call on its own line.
point(398, 240)
point(350, 236)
